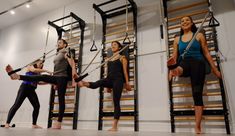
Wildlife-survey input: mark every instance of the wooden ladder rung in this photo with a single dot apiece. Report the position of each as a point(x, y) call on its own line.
point(124, 118)
point(66, 111)
point(190, 95)
point(68, 101)
point(186, 85)
point(187, 6)
point(192, 106)
point(122, 109)
point(204, 118)
point(119, 32)
point(122, 99)
point(123, 22)
point(70, 39)
point(74, 43)
point(64, 118)
point(191, 14)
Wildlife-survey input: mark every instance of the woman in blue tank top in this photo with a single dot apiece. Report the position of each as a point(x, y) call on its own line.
point(27, 90)
point(193, 64)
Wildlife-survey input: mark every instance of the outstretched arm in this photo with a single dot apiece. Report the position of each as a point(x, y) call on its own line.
point(37, 70)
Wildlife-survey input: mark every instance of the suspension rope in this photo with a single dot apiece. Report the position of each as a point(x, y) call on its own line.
point(93, 46)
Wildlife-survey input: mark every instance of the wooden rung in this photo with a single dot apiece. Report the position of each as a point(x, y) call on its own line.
point(118, 39)
point(123, 22)
point(122, 109)
point(64, 118)
point(67, 101)
point(67, 94)
point(121, 118)
point(186, 85)
point(191, 14)
point(187, 6)
point(190, 95)
point(66, 110)
point(204, 118)
point(70, 39)
point(122, 99)
point(119, 32)
point(74, 43)
point(192, 106)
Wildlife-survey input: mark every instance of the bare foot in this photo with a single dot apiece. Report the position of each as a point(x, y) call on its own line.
point(13, 76)
point(7, 126)
point(36, 127)
point(198, 130)
point(113, 129)
point(56, 125)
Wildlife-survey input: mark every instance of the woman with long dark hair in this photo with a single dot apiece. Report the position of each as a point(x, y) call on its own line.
point(27, 90)
point(116, 78)
point(193, 64)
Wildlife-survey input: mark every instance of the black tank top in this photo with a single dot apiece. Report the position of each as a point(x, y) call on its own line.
point(115, 70)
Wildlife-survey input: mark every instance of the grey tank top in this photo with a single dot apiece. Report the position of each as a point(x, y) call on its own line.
point(60, 64)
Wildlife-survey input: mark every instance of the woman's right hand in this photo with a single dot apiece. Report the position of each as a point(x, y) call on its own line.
point(171, 61)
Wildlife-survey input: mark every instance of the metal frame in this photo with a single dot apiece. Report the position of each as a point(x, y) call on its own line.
point(116, 11)
point(60, 30)
point(222, 90)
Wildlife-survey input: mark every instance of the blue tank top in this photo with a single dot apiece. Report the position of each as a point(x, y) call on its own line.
point(193, 52)
point(29, 82)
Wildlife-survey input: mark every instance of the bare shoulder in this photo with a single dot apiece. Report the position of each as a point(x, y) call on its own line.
point(123, 57)
point(176, 39)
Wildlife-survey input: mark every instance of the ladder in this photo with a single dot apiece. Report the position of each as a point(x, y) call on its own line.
point(73, 32)
point(114, 30)
point(214, 96)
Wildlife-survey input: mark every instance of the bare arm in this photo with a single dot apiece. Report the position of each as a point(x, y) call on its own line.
point(124, 65)
point(37, 70)
point(72, 65)
point(207, 55)
point(172, 60)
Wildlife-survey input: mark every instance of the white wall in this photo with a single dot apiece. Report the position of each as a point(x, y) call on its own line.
point(226, 44)
point(23, 42)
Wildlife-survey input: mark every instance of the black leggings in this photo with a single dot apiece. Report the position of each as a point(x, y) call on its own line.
point(28, 91)
point(61, 83)
point(117, 86)
point(195, 69)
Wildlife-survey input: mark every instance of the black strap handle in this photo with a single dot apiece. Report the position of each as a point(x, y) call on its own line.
point(126, 40)
point(93, 47)
point(213, 22)
point(14, 71)
point(81, 77)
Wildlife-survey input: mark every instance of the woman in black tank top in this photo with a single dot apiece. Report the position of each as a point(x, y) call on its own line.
point(116, 78)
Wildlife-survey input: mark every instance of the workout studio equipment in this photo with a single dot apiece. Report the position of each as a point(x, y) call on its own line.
point(214, 93)
point(73, 33)
point(119, 24)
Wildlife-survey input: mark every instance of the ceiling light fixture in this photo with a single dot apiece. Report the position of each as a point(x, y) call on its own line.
point(27, 6)
point(17, 6)
point(12, 12)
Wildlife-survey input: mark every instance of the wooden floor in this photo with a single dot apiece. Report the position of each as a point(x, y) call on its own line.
point(47, 132)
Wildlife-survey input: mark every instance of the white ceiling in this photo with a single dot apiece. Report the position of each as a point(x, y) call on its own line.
point(22, 13)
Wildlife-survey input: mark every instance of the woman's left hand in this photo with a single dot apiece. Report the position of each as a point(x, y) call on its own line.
point(128, 87)
point(217, 73)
